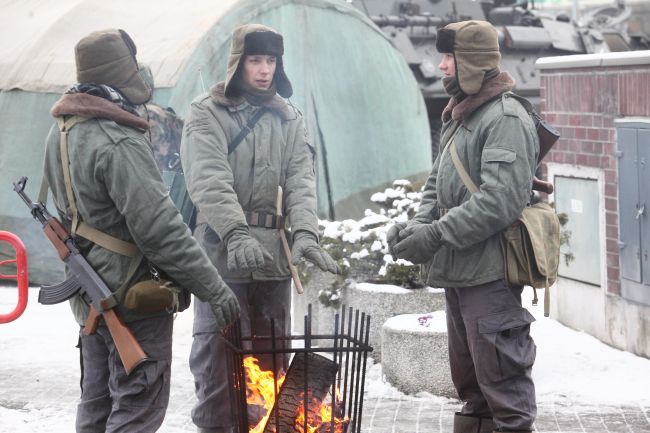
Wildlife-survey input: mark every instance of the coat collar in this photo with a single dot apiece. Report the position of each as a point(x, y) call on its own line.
point(238, 103)
point(458, 111)
point(84, 105)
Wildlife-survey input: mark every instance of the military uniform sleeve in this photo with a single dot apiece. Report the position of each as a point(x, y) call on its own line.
point(300, 183)
point(428, 210)
point(133, 182)
point(507, 167)
point(209, 177)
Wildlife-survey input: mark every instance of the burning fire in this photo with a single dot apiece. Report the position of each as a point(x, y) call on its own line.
point(321, 420)
point(259, 389)
point(260, 392)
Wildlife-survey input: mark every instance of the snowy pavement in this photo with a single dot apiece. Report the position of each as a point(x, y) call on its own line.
point(582, 384)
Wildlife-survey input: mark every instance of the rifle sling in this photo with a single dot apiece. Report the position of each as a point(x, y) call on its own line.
point(246, 129)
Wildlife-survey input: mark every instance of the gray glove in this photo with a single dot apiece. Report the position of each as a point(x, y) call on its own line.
point(245, 253)
point(419, 242)
point(305, 245)
point(392, 237)
point(225, 306)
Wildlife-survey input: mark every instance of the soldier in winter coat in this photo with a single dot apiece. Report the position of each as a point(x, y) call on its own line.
point(235, 190)
point(109, 194)
point(457, 233)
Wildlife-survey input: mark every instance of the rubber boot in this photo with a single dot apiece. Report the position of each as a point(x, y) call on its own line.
point(472, 424)
point(513, 431)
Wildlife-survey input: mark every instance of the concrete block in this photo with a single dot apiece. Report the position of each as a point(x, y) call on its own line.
point(415, 354)
point(382, 301)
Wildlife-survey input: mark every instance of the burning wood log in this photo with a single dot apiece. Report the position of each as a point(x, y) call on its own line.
point(318, 373)
point(339, 427)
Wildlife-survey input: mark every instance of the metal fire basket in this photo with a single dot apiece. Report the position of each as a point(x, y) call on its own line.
point(347, 349)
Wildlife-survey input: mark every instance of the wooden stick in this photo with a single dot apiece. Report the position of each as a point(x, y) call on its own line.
point(285, 245)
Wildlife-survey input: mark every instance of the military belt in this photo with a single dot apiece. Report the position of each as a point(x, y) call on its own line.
point(263, 219)
point(255, 219)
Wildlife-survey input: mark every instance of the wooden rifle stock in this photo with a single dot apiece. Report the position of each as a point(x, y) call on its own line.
point(542, 186)
point(548, 135)
point(127, 346)
point(285, 245)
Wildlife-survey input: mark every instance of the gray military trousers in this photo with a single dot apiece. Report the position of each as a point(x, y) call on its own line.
point(491, 353)
point(113, 402)
point(259, 302)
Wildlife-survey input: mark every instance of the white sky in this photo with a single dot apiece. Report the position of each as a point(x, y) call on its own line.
point(39, 369)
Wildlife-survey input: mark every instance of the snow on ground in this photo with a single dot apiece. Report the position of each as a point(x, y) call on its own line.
point(39, 370)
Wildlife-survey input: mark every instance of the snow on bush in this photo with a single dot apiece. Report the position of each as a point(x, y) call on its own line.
point(360, 247)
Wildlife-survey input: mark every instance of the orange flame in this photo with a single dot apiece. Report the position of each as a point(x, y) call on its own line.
point(259, 389)
point(260, 392)
point(322, 416)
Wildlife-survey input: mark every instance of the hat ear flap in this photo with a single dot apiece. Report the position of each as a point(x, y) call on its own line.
point(129, 42)
point(282, 82)
point(471, 68)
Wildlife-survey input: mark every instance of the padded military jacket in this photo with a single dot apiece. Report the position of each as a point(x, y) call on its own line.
point(497, 144)
point(225, 185)
point(119, 191)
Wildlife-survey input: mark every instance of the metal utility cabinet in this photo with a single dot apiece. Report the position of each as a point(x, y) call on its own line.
point(633, 152)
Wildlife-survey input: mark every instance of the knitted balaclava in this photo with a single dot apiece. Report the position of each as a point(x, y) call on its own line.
point(475, 46)
point(108, 57)
point(254, 39)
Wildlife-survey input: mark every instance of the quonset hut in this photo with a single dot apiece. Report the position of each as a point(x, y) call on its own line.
point(363, 108)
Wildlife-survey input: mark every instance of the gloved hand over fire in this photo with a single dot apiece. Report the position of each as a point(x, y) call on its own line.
point(244, 252)
point(225, 306)
point(305, 245)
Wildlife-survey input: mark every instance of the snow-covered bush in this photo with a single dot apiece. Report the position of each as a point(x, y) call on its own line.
point(360, 247)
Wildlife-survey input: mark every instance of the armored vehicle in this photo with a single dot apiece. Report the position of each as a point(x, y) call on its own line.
point(525, 34)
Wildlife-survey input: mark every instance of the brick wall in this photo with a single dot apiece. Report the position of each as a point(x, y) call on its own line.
point(583, 104)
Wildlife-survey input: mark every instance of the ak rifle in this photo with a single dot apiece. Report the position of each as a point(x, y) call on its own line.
point(84, 281)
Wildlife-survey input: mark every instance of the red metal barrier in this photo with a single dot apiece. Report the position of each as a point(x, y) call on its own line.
point(21, 275)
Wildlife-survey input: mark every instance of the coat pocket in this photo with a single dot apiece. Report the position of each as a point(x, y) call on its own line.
point(492, 161)
point(507, 347)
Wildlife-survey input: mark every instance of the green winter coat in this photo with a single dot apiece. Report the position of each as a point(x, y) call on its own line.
point(119, 191)
point(223, 186)
point(498, 145)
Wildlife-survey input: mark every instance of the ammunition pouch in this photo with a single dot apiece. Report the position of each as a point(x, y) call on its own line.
point(152, 296)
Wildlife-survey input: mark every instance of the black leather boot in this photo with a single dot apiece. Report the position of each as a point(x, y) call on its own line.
point(472, 424)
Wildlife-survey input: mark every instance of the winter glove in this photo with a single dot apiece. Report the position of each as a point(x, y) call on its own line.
point(392, 237)
point(419, 242)
point(245, 253)
point(305, 245)
point(225, 306)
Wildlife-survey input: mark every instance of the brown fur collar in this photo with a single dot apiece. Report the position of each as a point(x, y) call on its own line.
point(82, 104)
point(277, 103)
point(458, 111)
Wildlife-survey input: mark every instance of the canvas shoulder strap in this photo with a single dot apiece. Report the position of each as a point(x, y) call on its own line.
point(246, 129)
point(460, 168)
point(523, 101)
point(79, 227)
point(444, 149)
